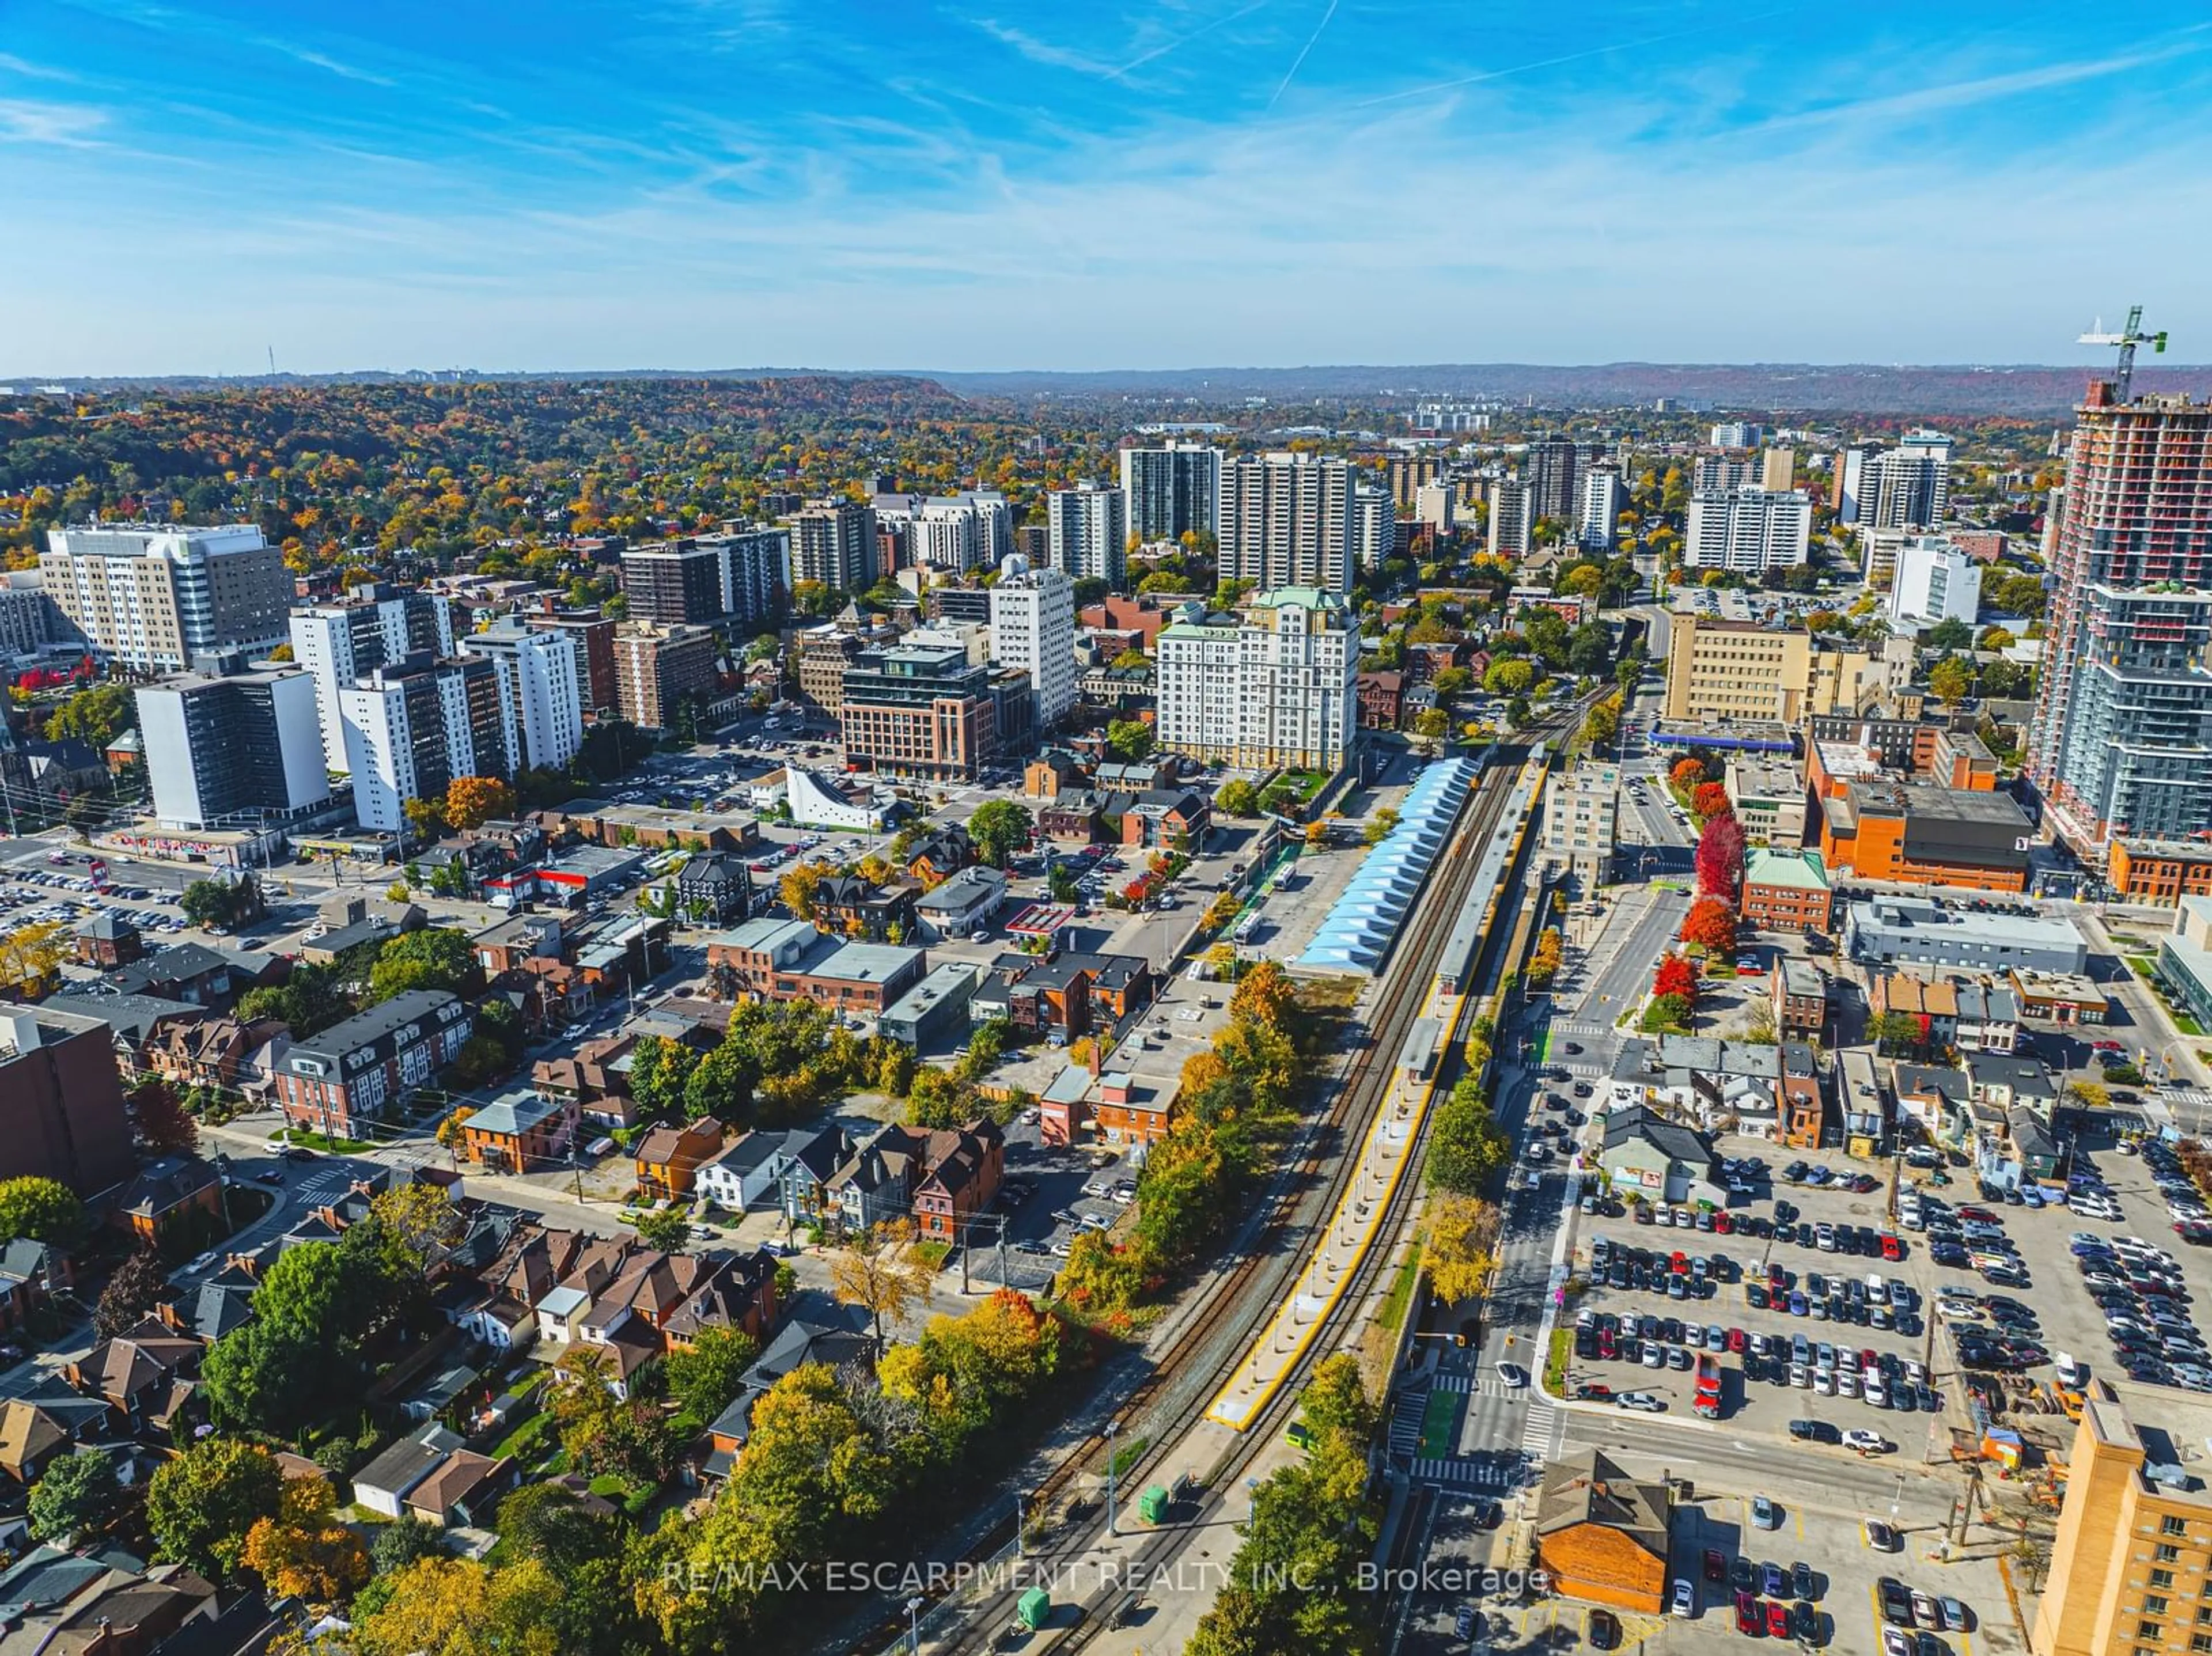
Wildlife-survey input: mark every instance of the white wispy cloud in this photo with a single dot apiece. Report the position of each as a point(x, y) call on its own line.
point(23, 120)
point(1959, 94)
point(11, 65)
point(1044, 53)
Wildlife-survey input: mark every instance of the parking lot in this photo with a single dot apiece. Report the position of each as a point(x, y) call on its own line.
point(1737, 1562)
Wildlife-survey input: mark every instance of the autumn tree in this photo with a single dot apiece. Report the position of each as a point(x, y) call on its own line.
point(1951, 679)
point(1711, 926)
point(1709, 799)
point(1685, 773)
point(472, 801)
point(458, 1607)
point(1720, 857)
point(798, 887)
point(883, 1273)
point(1460, 1246)
point(303, 1551)
point(31, 957)
point(1676, 976)
point(1237, 797)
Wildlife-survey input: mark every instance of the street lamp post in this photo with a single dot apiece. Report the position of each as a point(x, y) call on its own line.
point(914, 1625)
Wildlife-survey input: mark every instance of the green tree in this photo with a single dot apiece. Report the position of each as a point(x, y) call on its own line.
point(1950, 633)
point(43, 1210)
point(97, 715)
point(201, 1505)
point(1000, 828)
point(79, 1495)
point(1062, 883)
point(661, 1071)
point(720, 1084)
point(1237, 797)
point(1466, 1144)
point(208, 903)
point(667, 1230)
point(1508, 678)
point(705, 1376)
point(1129, 739)
point(434, 957)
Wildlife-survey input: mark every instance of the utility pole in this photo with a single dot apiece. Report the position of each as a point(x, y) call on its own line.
point(1112, 1427)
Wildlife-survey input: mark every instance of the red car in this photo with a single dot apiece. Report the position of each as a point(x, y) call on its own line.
point(1723, 1224)
point(1747, 1618)
point(1679, 1265)
point(1737, 1340)
point(1716, 1565)
point(1983, 1215)
point(1893, 1247)
point(1777, 1619)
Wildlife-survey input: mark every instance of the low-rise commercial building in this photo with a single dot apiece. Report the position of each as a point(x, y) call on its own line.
point(1922, 931)
point(1603, 1536)
point(1725, 670)
point(2158, 870)
point(1582, 815)
point(1787, 891)
point(1769, 796)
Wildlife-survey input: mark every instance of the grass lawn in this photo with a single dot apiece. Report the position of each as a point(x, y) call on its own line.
point(1440, 1425)
point(2141, 965)
point(316, 1141)
point(1392, 1316)
point(1555, 1359)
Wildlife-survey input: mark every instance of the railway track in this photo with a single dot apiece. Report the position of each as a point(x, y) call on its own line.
point(1174, 1394)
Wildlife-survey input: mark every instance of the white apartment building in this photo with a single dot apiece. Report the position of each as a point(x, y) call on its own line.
point(1436, 505)
point(1747, 529)
point(1275, 687)
point(335, 644)
point(1907, 487)
point(1935, 582)
point(1033, 627)
point(1512, 519)
point(957, 532)
point(537, 681)
point(1736, 434)
point(411, 731)
point(1286, 520)
point(1375, 522)
point(1172, 491)
point(1605, 497)
point(1087, 533)
point(158, 597)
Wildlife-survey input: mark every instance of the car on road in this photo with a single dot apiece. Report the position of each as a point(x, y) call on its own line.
point(1644, 1402)
point(1716, 1565)
point(1866, 1442)
point(300, 1153)
point(1771, 1581)
point(271, 1176)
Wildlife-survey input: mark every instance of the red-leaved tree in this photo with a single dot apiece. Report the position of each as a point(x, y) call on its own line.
point(1686, 773)
point(1720, 857)
point(1675, 976)
point(1709, 800)
point(1711, 926)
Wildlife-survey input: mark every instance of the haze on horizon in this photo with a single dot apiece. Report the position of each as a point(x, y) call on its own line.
point(697, 184)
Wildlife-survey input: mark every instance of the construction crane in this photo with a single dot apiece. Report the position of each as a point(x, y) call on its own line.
point(2127, 339)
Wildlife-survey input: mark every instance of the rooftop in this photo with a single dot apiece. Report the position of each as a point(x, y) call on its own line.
point(1799, 870)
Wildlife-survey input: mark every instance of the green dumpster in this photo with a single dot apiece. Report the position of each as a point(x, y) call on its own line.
point(1035, 1609)
point(1152, 1505)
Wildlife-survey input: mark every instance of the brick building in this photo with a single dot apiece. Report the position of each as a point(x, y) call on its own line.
point(1787, 891)
point(61, 1101)
point(1602, 1534)
point(360, 1068)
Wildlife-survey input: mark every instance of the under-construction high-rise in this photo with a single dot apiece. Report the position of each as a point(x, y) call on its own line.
point(2120, 744)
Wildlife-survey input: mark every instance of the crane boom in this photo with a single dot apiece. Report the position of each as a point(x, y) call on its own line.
point(2126, 339)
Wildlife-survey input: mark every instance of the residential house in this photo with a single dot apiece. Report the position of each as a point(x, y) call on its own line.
point(851, 906)
point(964, 903)
point(1974, 1015)
point(1733, 1086)
point(965, 1165)
point(173, 1201)
point(1936, 1100)
point(503, 948)
point(1803, 1111)
point(740, 1294)
point(748, 1172)
point(595, 1081)
point(201, 976)
point(136, 1023)
point(1801, 998)
point(797, 1344)
point(1602, 1536)
point(938, 854)
point(2010, 1081)
point(31, 1439)
point(1380, 695)
point(876, 1184)
point(522, 1133)
point(465, 1488)
point(29, 1272)
point(809, 1166)
point(668, 1158)
point(714, 888)
point(218, 1051)
point(1167, 819)
point(143, 1377)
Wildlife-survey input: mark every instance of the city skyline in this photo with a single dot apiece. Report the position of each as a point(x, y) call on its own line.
point(699, 184)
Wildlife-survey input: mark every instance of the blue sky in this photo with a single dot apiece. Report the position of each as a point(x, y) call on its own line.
point(721, 183)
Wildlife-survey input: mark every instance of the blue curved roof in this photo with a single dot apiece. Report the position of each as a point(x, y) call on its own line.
point(1362, 924)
